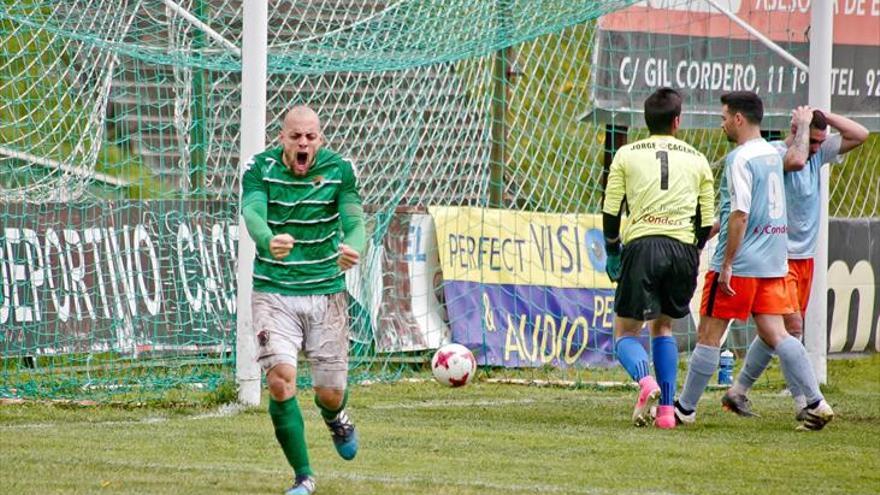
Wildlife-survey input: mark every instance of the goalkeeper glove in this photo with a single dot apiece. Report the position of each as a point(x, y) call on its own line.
point(612, 261)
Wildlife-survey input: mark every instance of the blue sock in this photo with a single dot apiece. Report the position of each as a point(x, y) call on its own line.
point(704, 362)
point(665, 350)
point(632, 356)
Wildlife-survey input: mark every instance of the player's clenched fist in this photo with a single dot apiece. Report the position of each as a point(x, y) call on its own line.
point(280, 246)
point(348, 257)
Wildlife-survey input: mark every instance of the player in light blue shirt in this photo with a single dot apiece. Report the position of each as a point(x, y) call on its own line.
point(752, 184)
point(806, 149)
point(747, 274)
point(804, 154)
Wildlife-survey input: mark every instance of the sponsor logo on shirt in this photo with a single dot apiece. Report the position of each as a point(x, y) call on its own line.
point(658, 220)
point(770, 229)
point(662, 214)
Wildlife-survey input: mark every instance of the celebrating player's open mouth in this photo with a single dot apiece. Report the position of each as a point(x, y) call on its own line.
point(301, 162)
point(300, 141)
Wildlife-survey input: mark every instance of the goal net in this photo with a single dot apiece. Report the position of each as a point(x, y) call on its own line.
point(119, 168)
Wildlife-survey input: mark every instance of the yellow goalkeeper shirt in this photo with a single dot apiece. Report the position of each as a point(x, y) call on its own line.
point(668, 188)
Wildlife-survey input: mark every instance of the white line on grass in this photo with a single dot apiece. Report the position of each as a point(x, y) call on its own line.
point(224, 411)
point(420, 480)
point(27, 426)
point(432, 404)
point(446, 404)
point(232, 409)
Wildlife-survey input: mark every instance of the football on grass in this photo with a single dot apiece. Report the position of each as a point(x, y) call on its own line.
point(453, 365)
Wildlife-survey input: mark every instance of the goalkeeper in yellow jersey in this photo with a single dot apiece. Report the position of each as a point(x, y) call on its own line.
point(667, 187)
point(301, 204)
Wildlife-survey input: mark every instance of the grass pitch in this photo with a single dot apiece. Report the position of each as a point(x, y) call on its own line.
point(420, 438)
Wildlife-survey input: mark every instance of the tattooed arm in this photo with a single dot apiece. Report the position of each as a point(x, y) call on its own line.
point(799, 140)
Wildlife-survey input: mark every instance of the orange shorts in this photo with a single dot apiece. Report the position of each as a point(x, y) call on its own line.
point(800, 282)
point(767, 296)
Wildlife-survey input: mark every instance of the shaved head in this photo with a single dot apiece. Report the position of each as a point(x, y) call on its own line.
point(301, 139)
point(301, 114)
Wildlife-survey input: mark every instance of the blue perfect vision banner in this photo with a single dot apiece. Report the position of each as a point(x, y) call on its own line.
point(526, 289)
point(526, 326)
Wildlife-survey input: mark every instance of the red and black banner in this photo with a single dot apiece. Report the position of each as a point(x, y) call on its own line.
point(692, 47)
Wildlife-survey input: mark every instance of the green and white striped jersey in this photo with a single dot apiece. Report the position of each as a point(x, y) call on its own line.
point(319, 211)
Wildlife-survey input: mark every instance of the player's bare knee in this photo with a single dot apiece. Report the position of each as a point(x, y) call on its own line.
point(281, 382)
point(661, 326)
point(709, 340)
point(628, 333)
point(627, 327)
point(794, 325)
point(330, 398)
point(710, 331)
point(281, 389)
point(770, 328)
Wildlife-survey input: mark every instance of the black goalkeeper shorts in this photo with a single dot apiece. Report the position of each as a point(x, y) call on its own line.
point(658, 276)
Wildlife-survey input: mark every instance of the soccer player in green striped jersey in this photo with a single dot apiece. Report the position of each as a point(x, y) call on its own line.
point(301, 205)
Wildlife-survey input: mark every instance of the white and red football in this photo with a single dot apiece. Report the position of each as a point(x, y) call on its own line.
point(453, 365)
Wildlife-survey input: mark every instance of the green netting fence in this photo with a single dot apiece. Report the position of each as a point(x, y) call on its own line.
point(119, 167)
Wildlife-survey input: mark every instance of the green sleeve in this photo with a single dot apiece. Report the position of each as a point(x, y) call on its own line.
point(351, 213)
point(254, 207)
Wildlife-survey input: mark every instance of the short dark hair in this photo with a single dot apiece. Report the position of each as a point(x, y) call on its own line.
point(819, 121)
point(661, 108)
point(747, 103)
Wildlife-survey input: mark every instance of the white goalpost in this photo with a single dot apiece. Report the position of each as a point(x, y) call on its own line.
point(253, 140)
point(816, 321)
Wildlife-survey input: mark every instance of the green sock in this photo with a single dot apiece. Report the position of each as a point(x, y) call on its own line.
point(330, 414)
point(291, 434)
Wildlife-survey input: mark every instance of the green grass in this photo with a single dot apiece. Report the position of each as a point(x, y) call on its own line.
point(420, 438)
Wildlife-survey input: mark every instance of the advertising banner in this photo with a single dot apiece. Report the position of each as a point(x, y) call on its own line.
point(150, 276)
point(526, 289)
point(853, 279)
point(694, 48)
